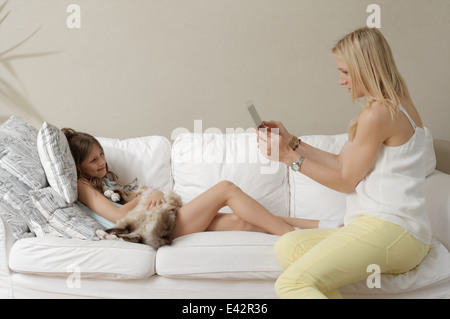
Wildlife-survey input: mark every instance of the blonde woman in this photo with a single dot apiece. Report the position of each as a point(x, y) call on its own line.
point(381, 168)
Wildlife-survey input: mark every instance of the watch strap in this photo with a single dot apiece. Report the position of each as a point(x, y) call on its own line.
point(294, 143)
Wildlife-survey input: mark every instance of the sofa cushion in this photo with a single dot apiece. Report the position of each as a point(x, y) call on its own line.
point(147, 158)
point(19, 154)
point(199, 161)
point(220, 255)
point(433, 270)
point(310, 199)
point(58, 256)
point(58, 163)
point(69, 219)
point(19, 210)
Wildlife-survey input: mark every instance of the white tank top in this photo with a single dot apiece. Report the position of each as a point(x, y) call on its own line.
point(393, 190)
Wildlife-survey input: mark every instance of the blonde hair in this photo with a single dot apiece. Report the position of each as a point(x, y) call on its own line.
point(372, 67)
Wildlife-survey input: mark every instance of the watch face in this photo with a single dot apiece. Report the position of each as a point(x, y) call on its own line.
point(295, 166)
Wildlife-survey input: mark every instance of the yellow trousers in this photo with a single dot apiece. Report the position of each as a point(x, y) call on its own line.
point(318, 261)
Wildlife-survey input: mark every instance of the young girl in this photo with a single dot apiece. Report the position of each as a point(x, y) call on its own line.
point(200, 214)
point(381, 168)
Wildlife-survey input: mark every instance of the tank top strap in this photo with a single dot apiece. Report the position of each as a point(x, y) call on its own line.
point(409, 117)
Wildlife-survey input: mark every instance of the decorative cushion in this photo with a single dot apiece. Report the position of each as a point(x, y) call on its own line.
point(19, 154)
point(58, 163)
point(199, 161)
point(17, 223)
point(69, 219)
point(147, 158)
point(18, 209)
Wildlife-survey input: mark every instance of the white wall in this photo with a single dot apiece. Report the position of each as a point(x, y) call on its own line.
point(146, 67)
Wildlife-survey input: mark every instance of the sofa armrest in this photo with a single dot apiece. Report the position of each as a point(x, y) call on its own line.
point(7, 240)
point(437, 194)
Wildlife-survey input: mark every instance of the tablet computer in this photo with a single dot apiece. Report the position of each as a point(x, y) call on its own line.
point(254, 116)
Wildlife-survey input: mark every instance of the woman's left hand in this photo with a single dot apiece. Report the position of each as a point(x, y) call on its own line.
point(154, 199)
point(272, 145)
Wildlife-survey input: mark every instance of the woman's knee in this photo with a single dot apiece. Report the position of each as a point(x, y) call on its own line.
point(290, 288)
point(284, 248)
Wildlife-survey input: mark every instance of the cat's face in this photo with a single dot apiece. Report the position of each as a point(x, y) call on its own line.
point(131, 187)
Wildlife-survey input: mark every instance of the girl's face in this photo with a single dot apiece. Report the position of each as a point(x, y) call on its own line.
point(345, 79)
point(94, 165)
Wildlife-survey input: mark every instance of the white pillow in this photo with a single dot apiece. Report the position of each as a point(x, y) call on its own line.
point(147, 158)
point(199, 161)
point(58, 163)
point(310, 199)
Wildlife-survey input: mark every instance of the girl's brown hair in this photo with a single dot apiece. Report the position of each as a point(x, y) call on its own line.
point(80, 146)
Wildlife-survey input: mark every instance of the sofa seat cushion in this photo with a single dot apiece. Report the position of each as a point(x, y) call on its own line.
point(433, 270)
point(58, 256)
point(220, 255)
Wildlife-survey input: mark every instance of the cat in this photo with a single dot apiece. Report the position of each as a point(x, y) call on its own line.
point(126, 193)
point(152, 226)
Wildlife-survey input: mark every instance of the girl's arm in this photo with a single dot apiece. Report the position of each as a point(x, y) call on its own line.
point(93, 199)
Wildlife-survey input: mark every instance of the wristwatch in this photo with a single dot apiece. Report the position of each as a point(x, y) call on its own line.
point(297, 164)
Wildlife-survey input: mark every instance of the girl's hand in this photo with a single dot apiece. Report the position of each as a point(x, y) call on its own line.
point(154, 199)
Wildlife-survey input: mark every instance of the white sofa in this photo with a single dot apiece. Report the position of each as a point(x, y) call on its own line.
point(208, 264)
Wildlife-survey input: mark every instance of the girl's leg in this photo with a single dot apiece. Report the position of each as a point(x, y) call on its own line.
point(301, 223)
point(226, 221)
point(343, 257)
point(198, 214)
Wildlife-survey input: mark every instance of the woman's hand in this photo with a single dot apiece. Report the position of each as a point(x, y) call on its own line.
point(273, 142)
point(274, 125)
point(154, 199)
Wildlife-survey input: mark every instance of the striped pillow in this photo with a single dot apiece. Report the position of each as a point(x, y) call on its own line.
point(18, 153)
point(58, 163)
point(68, 219)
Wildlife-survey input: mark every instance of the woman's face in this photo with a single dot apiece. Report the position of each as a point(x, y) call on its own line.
point(344, 77)
point(94, 165)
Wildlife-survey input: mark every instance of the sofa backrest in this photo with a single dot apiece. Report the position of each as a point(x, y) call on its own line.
point(195, 162)
point(199, 161)
point(310, 199)
point(146, 158)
